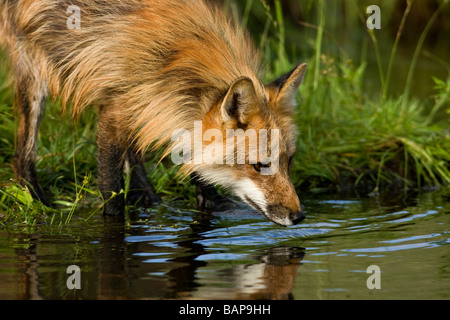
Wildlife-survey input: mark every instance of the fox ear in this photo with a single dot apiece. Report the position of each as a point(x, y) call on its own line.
point(287, 86)
point(239, 102)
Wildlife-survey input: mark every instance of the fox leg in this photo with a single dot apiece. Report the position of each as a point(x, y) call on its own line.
point(111, 158)
point(208, 199)
point(30, 99)
point(140, 193)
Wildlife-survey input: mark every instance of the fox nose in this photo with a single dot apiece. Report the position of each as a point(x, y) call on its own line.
point(297, 217)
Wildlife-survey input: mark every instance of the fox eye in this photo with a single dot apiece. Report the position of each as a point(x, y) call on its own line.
point(259, 166)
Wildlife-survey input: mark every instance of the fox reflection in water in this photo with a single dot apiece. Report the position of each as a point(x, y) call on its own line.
point(115, 264)
point(272, 278)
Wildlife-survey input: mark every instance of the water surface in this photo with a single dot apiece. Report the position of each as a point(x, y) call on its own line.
point(171, 253)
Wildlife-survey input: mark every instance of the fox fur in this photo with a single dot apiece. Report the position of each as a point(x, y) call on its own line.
point(150, 66)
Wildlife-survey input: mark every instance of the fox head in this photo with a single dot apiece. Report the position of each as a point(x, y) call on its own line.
point(260, 176)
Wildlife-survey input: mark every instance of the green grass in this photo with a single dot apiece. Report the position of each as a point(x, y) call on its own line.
point(350, 137)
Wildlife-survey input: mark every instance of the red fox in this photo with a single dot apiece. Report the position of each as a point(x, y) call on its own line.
point(151, 67)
